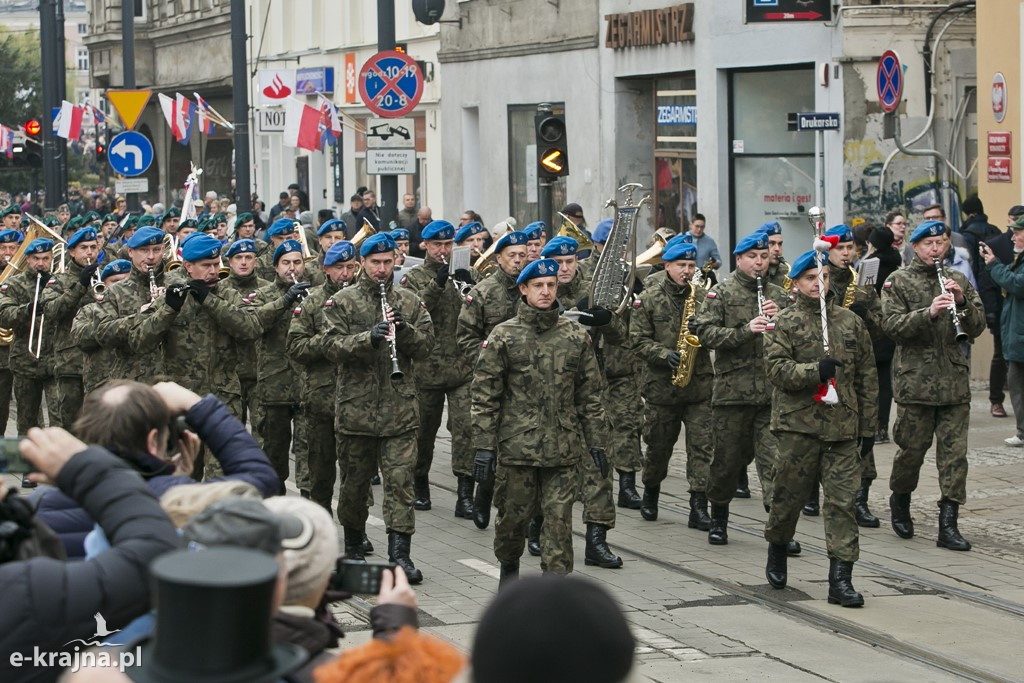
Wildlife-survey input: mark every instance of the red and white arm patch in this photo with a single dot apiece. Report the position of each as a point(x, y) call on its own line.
point(887, 284)
point(711, 295)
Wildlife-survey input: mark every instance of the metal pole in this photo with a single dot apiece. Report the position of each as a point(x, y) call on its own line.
point(240, 92)
point(51, 99)
point(128, 65)
point(386, 41)
point(62, 144)
point(820, 190)
point(544, 209)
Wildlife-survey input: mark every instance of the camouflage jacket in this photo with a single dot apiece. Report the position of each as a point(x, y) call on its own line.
point(570, 293)
point(587, 266)
point(929, 368)
point(369, 402)
point(313, 272)
point(722, 325)
point(537, 391)
point(63, 300)
point(245, 353)
point(16, 296)
point(197, 341)
point(97, 360)
point(864, 298)
point(304, 348)
point(445, 366)
point(265, 265)
point(276, 374)
point(656, 326)
point(792, 351)
point(779, 275)
point(122, 305)
point(493, 300)
point(612, 344)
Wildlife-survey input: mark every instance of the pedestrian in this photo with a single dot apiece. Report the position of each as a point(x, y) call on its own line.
point(1010, 278)
point(351, 217)
point(407, 215)
point(992, 298)
point(370, 213)
point(708, 257)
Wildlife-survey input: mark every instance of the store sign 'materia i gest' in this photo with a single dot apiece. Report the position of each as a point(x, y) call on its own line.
point(650, 27)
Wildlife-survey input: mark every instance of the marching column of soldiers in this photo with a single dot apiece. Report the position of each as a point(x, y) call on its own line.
point(349, 369)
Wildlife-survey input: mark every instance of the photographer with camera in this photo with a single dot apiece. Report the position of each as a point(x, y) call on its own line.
point(139, 424)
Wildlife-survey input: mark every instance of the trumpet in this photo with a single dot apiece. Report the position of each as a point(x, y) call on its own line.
point(961, 336)
point(461, 287)
point(174, 261)
point(154, 291)
point(96, 283)
point(32, 337)
point(295, 280)
point(396, 372)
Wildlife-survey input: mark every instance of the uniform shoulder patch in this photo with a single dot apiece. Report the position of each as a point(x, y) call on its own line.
point(298, 310)
point(770, 326)
point(484, 345)
point(887, 284)
point(711, 295)
point(404, 280)
point(99, 297)
point(637, 303)
point(3, 288)
point(469, 299)
point(423, 306)
point(328, 303)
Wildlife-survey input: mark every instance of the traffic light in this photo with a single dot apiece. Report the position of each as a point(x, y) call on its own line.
point(101, 147)
point(33, 128)
point(552, 145)
point(402, 48)
point(428, 12)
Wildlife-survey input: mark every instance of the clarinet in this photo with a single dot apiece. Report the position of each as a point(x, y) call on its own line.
point(760, 295)
point(396, 373)
point(961, 336)
point(154, 291)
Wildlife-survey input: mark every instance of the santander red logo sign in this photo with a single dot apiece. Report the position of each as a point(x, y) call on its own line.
point(277, 89)
point(276, 85)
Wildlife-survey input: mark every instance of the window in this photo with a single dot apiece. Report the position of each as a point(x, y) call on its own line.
point(83, 59)
point(140, 9)
point(83, 29)
point(675, 150)
point(522, 172)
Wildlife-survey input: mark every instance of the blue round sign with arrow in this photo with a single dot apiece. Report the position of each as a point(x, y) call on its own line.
point(130, 153)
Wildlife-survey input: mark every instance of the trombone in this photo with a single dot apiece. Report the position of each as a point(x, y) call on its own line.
point(300, 237)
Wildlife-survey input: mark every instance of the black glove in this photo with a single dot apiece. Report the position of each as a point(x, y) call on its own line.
point(175, 296)
point(827, 368)
point(601, 460)
point(595, 317)
point(465, 276)
point(378, 332)
point(297, 292)
point(484, 463)
point(691, 324)
point(399, 319)
point(638, 286)
point(85, 279)
point(860, 309)
point(45, 276)
point(673, 359)
point(866, 444)
point(442, 275)
point(200, 290)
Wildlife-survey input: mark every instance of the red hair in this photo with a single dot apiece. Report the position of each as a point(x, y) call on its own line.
point(407, 657)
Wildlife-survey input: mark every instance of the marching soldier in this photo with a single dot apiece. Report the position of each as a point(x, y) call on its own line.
point(169, 221)
point(658, 323)
point(536, 237)
point(107, 227)
point(376, 418)
point(732, 321)
point(491, 301)
point(536, 412)
point(443, 373)
point(280, 230)
point(599, 237)
point(330, 232)
point(474, 236)
point(932, 379)
point(9, 241)
point(11, 217)
point(401, 238)
point(778, 269)
point(245, 229)
point(97, 360)
point(71, 291)
point(241, 258)
point(819, 439)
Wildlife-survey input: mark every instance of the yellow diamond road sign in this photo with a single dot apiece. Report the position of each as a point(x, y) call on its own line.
point(129, 104)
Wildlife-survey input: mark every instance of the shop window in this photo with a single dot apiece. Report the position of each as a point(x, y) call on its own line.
point(675, 151)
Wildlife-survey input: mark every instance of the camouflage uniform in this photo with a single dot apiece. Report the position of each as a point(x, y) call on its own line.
point(97, 360)
point(779, 275)
point(493, 300)
point(63, 300)
point(932, 377)
point(313, 272)
point(122, 305)
point(32, 375)
point(741, 398)
point(245, 354)
point(265, 264)
point(6, 385)
point(817, 440)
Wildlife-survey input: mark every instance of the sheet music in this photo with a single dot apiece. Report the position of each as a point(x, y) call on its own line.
point(867, 272)
point(461, 259)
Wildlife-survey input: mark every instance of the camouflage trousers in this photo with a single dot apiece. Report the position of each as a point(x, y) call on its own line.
point(662, 424)
point(70, 394)
point(520, 490)
point(274, 427)
point(28, 394)
point(802, 459)
point(915, 425)
point(742, 436)
point(596, 493)
point(6, 390)
point(300, 449)
point(431, 402)
point(625, 404)
point(250, 402)
point(323, 453)
point(360, 457)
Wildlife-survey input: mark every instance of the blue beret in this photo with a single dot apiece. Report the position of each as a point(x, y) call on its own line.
point(282, 226)
point(770, 229)
point(679, 250)
point(145, 237)
point(116, 268)
point(560, 246)
point(332, 225)
point(286, 247)
point(438, 230)
point(510, 240)
point(756, 240)
point(241, 247)
point(534, 230)
point(802, 263)
point(928, 229)
point(843, 232)
point(340, 252)
point(40, 245)
point(685, 238)
point(467, 231)
point(545, 267)
point(200, 246)
point(10, 236)
point(399, 234)
point(83, 235)
point(601, 232)
point(377, 244)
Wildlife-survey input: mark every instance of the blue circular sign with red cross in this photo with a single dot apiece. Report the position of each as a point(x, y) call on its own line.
point(890, 81)
point(390, 84)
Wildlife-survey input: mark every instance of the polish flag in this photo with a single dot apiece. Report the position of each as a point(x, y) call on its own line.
point(69, 121)
point(302, 126)
point(184, 118)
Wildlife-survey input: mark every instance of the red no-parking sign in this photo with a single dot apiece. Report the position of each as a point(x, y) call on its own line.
point(390, 84)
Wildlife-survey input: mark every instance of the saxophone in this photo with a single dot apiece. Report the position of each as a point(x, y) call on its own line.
point(851, 290)
point(687, 343)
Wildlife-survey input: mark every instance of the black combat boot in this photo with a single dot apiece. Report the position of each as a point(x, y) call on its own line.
point(421, 493)
point(464, 497)
point(509, 573)
point(899, 510)
point(840, 589)
point(354, 544)
point(398, 552)
point(949, 534)
point(743, 485)
point(699, 511)
point(718, 534)
point(812, 508)
point(860, 507)
point(533, 535)
point(598, 553)
point(793, 547)
point(482, 504)
point(775, 571)
point(366, 546)
point(649, 505)
point(628, 497)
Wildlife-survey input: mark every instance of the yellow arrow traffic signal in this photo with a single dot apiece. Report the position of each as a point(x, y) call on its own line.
point(552, 160)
